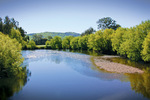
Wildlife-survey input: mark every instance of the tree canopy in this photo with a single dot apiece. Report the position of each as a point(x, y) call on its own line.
point(88, 31)
point(66, 42)
point(107, 22)
point(10, 56)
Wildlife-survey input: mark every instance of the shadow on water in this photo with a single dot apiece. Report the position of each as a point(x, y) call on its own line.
point(140, 64)
point(140, 83)
point(11, 85)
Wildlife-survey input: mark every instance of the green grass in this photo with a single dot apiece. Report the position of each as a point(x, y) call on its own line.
point(40, 46)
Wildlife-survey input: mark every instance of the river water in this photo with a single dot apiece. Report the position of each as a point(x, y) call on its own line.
point(61, 75)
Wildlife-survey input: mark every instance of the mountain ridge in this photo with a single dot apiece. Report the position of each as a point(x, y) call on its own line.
point(61, 34)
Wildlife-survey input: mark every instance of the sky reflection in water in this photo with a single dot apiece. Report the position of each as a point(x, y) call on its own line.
point(65, 75)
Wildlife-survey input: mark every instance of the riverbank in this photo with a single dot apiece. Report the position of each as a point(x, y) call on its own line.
point(109, 66)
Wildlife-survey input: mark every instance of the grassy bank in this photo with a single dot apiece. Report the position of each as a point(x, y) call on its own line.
point(40, 46)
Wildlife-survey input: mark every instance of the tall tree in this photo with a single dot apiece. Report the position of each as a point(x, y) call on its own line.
point(117, 38)
point(74, 43)
point(146, 49)
point(7, 26)
point(10, 55)
point(37, 38)
point(88, 31)
point(13, 23)
point(107, 22)
point(1, 25)
point(56, 43)
point(82, 42)
point(66, 42)
point(22, 32)
point(49, 38)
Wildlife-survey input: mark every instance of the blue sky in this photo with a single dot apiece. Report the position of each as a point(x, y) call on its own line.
point(73, 15)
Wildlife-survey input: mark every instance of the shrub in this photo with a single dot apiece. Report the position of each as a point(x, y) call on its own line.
point(10, 56)
point(31, 45)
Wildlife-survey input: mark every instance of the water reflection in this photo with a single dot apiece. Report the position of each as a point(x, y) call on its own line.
point(140, 83)
point(59, 73)
point(10, 86)
point(75, 60)
point(140, 65)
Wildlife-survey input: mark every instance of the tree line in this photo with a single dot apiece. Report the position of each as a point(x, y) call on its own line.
point(12, 40)
point(10, 27)
point(132, 43)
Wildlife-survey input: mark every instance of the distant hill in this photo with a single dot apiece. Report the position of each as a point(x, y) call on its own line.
point(61, 34)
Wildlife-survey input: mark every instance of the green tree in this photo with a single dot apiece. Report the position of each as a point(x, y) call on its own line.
point(88, 31)
point(91, 41)
point(10, 56)
point(26, 38)
point(83, 42)
point(48, 44)
point(74, 43)
point(144, 27)
point(107, 22)
point(22, 32)
point(107, 44)
point(117, 38)
point(49, 38)
point(96, 41)
point(7, 27)
point(37, 38)
point(16, 34)
point(146, 49)
point(1, 25)
point(14, 23)
point(66, 42)
point(31, 45)
point(132, 45)
point(56, 43)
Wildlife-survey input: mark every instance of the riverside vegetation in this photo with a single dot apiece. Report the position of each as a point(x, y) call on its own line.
point(132, 43)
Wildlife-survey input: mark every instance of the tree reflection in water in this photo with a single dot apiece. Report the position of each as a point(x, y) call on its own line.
point(12, 85)
point(140, 83)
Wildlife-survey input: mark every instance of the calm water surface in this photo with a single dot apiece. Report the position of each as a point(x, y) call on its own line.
point(59, 75)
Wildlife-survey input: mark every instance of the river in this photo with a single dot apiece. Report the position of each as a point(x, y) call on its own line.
point(62, 75)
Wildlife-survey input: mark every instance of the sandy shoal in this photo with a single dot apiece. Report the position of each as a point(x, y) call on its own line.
point(115, 67)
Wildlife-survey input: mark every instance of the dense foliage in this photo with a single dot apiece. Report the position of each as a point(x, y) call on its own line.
point(55, 43)
point(88, 31)
point(10, 56)
point(39, 40)
point(12, 40)
point(82, 42)
point(146, 48)
point(133, 43)
point(31, 45)
point(66, 42)
point(74, 43)
point(8, 24)
point(107, 22)
point(11, 28)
